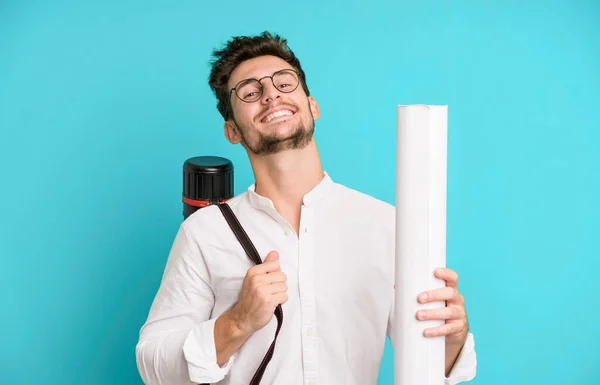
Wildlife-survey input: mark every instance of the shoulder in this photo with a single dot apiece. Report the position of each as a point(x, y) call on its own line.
point(209, 220)
point(360, 201)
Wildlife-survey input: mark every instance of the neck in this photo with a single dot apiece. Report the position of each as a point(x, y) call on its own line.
point(286, 177)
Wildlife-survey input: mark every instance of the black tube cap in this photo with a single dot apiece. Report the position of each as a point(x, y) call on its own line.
point(206, 180)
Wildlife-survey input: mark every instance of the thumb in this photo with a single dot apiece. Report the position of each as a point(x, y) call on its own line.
point(272, 256)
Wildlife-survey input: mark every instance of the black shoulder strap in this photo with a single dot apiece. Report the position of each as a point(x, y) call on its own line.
point(248, 246)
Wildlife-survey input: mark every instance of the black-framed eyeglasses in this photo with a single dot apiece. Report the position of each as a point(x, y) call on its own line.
point(251, 90)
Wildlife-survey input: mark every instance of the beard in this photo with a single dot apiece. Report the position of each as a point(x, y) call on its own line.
point(268, 144)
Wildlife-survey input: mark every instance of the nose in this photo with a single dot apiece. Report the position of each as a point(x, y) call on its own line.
point(270, 93)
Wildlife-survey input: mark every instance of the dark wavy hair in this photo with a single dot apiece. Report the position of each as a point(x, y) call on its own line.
point(241, 48)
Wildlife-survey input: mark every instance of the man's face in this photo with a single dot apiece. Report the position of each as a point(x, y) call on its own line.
point(277, 120)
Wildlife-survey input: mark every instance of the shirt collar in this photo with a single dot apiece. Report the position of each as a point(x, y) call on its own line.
point(313, 196)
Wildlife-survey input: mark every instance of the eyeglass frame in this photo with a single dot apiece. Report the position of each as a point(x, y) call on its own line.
point(262, 88)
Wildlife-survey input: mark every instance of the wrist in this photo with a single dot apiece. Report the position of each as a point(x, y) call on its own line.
point(228, 337)
point(237, 326)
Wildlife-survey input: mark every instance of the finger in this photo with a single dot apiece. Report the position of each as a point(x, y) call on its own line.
point(443, 330)
point(275, 277)
point(271, 262)
point(278, 287)
point(280, 298)
point(442, 294)
point(265, 267)
point(446, 313)
point(272, 256)
point(448, 275)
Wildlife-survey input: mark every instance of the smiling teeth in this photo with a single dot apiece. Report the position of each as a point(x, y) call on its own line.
point(278, 114)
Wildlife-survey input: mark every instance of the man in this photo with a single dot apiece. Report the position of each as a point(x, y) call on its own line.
point(327, 252)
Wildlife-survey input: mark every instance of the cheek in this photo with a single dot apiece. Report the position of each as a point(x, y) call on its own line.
point(247, 112)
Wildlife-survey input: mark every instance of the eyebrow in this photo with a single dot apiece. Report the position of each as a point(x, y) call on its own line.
point(262, 77)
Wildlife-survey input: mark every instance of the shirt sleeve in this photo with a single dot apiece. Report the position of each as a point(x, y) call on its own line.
point(176, 344)
point(465, 366)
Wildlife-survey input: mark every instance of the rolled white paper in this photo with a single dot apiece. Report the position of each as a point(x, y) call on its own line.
point(421, 162)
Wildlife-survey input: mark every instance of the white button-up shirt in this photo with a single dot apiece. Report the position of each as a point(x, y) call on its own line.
point(340, 269)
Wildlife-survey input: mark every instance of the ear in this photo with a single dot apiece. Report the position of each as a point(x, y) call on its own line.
point(231, 132)
point(314, 108)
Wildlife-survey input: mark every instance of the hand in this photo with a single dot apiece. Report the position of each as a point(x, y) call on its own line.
point(456, 326)
point(263, 289)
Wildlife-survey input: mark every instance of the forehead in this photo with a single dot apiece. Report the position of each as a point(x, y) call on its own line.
point(257, 68)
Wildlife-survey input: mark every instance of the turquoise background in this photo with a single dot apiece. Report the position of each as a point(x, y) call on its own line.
point(101, 103)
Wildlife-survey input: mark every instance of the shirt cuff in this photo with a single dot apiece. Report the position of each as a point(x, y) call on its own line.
point(465, 367)
point(200, 353)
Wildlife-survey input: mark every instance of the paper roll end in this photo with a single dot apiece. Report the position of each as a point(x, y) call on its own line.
point(422, 106)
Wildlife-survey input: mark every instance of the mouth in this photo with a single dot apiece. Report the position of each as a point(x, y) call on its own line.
point(277, 115)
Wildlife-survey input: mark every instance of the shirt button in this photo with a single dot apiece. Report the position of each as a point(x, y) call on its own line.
point(312, 382)
point(309, 332)
point(287, 232)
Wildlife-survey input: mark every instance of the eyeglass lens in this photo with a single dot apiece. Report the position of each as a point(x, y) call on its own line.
point(251, 90)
